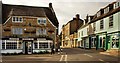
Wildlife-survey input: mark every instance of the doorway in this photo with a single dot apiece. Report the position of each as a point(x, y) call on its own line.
point(28, 47)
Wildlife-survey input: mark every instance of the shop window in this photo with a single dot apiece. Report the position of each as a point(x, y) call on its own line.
point(11, 45)
point(35, 45)
point(115, 43)
point(3, 45)
point(43, 45)
point(20, 45)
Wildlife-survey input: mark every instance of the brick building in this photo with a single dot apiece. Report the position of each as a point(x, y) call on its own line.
point(28, 29)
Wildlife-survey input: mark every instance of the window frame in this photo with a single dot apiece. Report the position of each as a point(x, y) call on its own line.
point(111, 23)
point(17, 19)
point(42, 20)
point(101, 24)
point(17, 32)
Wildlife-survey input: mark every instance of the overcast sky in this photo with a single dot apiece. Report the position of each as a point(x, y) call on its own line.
point(66, 9)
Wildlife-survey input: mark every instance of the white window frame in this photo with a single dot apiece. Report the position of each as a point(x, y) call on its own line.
point(13, 29)
point(111, 21)
point(101, 24)
point(116, 5)
point(41, 32)
point(17, 21)
point(106, 10)
point(98, 13)
point(11, 41)
point(42, 20)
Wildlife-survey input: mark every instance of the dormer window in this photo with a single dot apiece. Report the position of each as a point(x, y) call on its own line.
point(106, 10)
point(98, 14)
point(41, 21)
point(17, 19)
point(116, 5)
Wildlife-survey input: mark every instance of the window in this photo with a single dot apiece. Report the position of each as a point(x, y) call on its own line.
point(11, 45)
point(106, 10)
point(98, 14)
point(111, 21)
point(41, 31)
point(35, 45)
point(43, 45)
point(3, 45)
point(82, 33)
point(116, 5)
point(20, 45)
point(115, 42)
point(94, 26)
point(17, 19)
point(101, 24)
point(17, 31)
point(42, 21)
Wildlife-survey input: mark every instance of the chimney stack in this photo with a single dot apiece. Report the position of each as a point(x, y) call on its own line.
point(77, 16)
point(50, 5)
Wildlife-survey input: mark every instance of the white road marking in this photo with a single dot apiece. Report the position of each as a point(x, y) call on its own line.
point(61, 57)
point(101, 60)
point(65, 57)
point(88, 55)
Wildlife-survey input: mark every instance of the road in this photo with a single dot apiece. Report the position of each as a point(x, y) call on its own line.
point(69, 55)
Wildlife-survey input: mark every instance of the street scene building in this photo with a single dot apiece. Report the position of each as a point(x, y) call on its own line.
point(28, 29)
point(69, 32)
point(98, 31)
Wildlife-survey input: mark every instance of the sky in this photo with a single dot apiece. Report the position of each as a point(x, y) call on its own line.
point(66, 9)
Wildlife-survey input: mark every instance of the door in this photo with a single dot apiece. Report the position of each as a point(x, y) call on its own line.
point(27, 48)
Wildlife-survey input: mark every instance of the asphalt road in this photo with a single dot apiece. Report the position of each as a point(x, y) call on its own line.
point(69, 55)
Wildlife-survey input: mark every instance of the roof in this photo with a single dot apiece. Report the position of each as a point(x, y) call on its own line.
point(21, 10)
point(113, 11)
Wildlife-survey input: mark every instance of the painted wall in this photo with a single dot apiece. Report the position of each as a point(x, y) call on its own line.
point(116, 24)
point(119, 21)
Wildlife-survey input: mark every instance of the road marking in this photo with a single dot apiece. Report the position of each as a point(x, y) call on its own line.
point(65, 57)
point(101, 60)
point(88, 55)
point(61, 57)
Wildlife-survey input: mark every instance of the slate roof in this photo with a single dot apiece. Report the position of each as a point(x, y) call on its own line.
point(21, 10)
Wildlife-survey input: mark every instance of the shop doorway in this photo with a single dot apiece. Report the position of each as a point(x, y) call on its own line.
point(28, 48)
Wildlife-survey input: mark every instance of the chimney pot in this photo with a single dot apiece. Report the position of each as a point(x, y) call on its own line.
point(50, 5)
point(77, 16)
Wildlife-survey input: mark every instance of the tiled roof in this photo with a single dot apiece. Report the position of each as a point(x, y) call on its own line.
point(21, 10)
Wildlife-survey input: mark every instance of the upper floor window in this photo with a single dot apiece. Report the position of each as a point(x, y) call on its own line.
point(17, 19)
point(111, 21)
point(106, 10)
point(98, 14)
point(94, 26)
point(17, 30)
point(41, 31)
point(41, 20)
point(101, 24)
point(116, 5)
point(82, 33)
